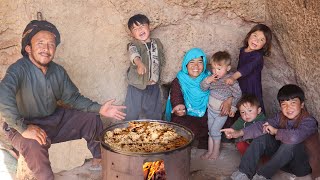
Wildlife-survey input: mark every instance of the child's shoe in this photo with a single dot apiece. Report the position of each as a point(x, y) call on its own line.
point(259, 177)
point(239, 176)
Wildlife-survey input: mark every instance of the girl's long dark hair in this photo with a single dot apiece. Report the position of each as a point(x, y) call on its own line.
point(267, 33)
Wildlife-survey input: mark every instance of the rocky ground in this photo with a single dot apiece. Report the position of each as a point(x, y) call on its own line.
point(219, 169)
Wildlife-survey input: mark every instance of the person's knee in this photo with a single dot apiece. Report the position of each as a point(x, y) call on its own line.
point(93, 120)
point(262, 139)
point(32, 147)
point(215, 136)
point(260, 142)
point(288, 147)
point(99, 123)
point(215, 131)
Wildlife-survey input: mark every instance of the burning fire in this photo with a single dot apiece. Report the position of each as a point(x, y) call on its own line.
point(154, 170)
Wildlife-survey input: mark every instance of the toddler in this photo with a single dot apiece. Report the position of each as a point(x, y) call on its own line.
point(219, 91)
point(250, 112)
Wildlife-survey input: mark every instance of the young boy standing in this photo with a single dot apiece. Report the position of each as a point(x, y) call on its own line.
point(146, 56)
point(250, 112)
point(219, 91)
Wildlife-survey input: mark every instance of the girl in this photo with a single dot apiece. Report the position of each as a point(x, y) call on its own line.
point(256, 45)
point(282, 138)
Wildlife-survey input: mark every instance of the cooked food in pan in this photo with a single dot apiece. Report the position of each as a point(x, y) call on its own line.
point(145, 137)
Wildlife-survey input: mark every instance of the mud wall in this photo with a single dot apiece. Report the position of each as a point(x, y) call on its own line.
point(297, 27)
point(94, 37)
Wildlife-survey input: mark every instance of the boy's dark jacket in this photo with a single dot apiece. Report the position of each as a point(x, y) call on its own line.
point(141, 81)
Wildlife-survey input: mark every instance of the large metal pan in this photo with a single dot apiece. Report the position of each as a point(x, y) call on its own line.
point(181, 130)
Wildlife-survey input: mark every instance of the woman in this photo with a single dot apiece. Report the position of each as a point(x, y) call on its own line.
point(187, 103)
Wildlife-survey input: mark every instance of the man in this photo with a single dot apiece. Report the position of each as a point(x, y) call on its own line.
point(28, 103)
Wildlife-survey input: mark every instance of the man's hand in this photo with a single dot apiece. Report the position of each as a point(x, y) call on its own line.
point(231, 133)
point(112, 111)
point(141, 68)
point(226, 107)
point(267, 128)
point(179, 110)
point(36, 133)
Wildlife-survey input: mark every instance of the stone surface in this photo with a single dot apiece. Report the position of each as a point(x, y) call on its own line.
point(219, 169)
point(68, 155)
point(94, 37)
point(297, 27)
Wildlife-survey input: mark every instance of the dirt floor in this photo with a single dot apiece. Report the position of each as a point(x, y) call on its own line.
point(220, 169)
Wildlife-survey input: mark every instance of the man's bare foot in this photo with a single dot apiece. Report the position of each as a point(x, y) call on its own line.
point(95, 164)
point(206, 155)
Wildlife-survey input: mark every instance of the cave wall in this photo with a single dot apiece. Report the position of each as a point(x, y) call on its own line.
point(297, 27)
point(94, 37)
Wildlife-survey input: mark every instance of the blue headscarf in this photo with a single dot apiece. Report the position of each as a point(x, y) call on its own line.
point(195, 99)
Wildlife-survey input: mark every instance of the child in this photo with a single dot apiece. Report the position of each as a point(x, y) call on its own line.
point(256, 45)
point(146, 56)
point(280, 137)
point(219, 91)
point(250, 112)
